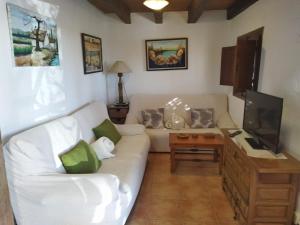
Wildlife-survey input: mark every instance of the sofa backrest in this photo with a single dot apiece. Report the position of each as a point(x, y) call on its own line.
point(36, 151)
point(140, 102)
point(89, 117)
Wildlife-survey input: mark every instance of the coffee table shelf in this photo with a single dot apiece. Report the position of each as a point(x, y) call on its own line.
point(192, 147)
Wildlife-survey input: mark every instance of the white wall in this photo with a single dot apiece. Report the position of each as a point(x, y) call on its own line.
point(206, 38)
point(28, 95)
point(280, 68)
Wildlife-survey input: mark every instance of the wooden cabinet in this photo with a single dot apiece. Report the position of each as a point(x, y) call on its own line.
point(6, 215)
point(118, 113)
point(260, 191)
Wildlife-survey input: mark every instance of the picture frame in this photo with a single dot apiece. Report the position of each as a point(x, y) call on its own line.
point(166, 54)
point(92, 54)
point(34, 38)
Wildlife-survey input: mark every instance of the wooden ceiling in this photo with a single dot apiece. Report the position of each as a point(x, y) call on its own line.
point(195, 8)
point(174, 5)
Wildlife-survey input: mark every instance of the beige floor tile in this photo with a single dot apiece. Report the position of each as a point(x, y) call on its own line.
point(191, 196)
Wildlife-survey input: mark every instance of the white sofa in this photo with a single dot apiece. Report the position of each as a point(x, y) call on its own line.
point(43, 194)
point(160, 137)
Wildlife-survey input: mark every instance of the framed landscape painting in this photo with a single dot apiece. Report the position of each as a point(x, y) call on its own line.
point(92, 54)
point(33, 37)
point(167, 54)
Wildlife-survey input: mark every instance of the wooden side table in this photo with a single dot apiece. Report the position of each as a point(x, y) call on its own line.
point(118, 113)
point(180, 145)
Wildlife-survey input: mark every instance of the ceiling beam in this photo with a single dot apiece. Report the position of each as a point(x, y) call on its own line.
point(238, 7)
point(158, 17)
point(116, 6)
point(196, 9)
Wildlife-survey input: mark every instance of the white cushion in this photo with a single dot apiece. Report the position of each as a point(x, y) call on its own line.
point(103, 148)
point(129, 163)
point(130, 129)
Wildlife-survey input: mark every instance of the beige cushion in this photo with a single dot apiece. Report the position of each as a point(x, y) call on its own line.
point(202, 118)
point(153, 118)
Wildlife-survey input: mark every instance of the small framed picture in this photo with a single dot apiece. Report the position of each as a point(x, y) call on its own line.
point(167, 54)
point(92, 54)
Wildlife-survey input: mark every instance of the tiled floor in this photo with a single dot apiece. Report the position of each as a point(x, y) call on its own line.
point(191, 196)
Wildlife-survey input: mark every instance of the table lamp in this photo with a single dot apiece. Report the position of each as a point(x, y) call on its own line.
point(120, 67)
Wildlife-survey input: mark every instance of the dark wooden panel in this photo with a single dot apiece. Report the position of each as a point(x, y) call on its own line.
point(244, 65)
point(196, 9)
point(116, 6)
point(238, 7)
point(227, 65)
point(247, 67)
point(158, 17)
point(6, 215)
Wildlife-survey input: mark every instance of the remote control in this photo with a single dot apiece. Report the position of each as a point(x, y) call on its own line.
point(235, 133)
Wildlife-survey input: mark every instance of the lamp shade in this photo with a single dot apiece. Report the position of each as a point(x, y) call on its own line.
point(119, 67)
point(156, 4)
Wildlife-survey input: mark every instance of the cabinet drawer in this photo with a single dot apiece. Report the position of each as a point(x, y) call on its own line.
point(275, 178)
point(118, 112)
point(281, 194)
point(270, 224)
point(271, 211)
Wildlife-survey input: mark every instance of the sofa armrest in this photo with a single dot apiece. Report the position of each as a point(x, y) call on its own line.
point(225, 121)
point(131, 129)
point(79, 189)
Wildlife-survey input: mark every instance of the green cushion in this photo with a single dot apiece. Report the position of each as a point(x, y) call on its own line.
point(107, 129)
point(80, 159)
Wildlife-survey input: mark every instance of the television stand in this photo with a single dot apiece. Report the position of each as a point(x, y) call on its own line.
point(260, 191)
point(255, 144)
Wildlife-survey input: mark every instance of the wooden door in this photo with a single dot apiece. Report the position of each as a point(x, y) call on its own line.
point(6, 215)
point(228, 65)
point(245, 66)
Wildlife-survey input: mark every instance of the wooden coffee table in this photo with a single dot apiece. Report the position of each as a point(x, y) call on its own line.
point(193, 145)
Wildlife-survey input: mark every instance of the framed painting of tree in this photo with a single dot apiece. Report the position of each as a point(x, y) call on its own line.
point(33, 37)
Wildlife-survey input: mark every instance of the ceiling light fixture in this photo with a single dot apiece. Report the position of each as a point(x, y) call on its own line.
point(156, 4)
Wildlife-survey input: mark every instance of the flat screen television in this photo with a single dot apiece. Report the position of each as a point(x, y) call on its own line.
point(262, 120)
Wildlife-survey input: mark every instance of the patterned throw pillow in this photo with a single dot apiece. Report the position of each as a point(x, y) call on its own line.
point(202, 118)
point(153, 118)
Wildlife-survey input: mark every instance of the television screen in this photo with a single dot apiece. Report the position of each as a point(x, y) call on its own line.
point(262, 119)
